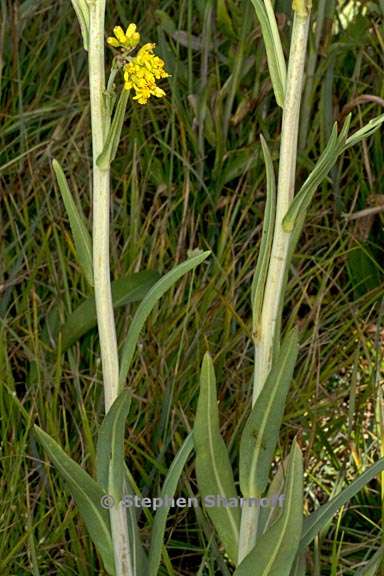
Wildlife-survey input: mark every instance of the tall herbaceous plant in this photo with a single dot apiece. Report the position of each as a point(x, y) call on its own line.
point(136, 70)
point(256, 543)
point(271, 541)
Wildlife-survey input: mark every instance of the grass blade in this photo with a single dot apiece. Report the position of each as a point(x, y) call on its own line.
point(213, 467)
point(259, 438)
point(87, 494)
point(371, 568)
point(147, 305)
point(77, 223)
point(124, 290)
point(169, 488)
point(274, 553)
point(314, 523)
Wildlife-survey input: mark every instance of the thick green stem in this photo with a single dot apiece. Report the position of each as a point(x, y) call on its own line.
point(101, 120)
point(274, 287)
point(268, 336)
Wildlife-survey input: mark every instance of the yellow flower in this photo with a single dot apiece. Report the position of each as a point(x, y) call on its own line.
point(140, 71)
point(129, 39)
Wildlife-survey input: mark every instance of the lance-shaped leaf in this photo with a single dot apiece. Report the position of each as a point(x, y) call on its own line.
point(213, 467)
point(110, 470)
point(315, 521)
point(275, 55)
point(274, 552)
point(147, 305)
point(124, 290)
point(82, 13)
point(77, 223)
point(87, 494)
point(138, 555)
point(367, 130)
point(326, 161)
point(335, 147)
point(113, 138)
point(168, 491)
point(261, 271)
point(260, 434)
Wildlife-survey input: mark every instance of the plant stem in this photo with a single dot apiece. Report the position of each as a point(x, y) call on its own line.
point(269, 336)
point(100, 118)
point(274, 288)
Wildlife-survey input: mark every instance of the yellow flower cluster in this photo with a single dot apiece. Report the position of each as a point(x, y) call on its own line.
point(140, 71)
point(129, 40)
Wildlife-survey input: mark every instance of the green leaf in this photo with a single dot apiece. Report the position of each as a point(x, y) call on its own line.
point(367, 130)
point(223, 18)
point(299, 567)
point(261, 271)
point(213, 467)
point(315, 521)
point(335, 147)
point(82, 13)
point(124, 291)
point(169, 489)
point(110, 446)
point(275, 55)
point(304, 197)
point(87, 494)
point(77, 223)
point(269, 514)
point(274, 552)
point(371, 568)
point(261, 431)
point(139, 557)
point(108, 153)
point(146, 307)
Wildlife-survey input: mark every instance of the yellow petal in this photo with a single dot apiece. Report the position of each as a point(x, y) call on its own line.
point(118, 32)
point(113, 42)
point(130, 30)
point(158, 92)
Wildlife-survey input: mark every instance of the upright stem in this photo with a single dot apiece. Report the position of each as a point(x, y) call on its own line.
point(101, 208)
point(274, 288)
point(100, 119)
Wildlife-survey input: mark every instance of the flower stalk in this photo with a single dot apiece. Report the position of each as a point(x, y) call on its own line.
point(268, 337)
point(101, 120)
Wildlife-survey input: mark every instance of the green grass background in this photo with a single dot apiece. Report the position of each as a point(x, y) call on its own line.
point(188, 174)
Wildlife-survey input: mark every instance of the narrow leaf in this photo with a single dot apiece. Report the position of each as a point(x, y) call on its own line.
point(371, 568)
point(113, 138)
point(79, 229)
point(87, 494)
point(275, 551)
point(315, 522)
point(110, 445)
point(260, 435)
point(82, 13)
point(168, 491)
point(124, 290)
point(213, 467)
point(303, 198)
point(367, 130)
point(274, 49)
point(147, 305)
point(261, 271)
